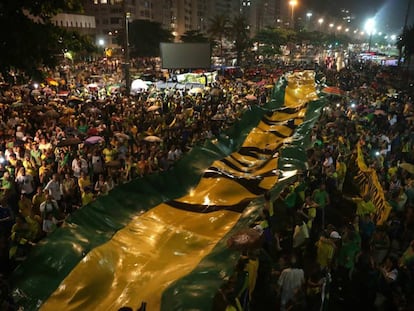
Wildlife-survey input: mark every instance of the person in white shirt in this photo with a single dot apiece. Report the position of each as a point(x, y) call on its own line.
point(178, 153)
point(290, 281)
point(25, 182)
point(49, 206)
point(171, 155)
point(79, 165)
point(53, 186)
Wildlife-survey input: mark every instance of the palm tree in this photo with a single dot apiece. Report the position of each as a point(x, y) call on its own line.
point(194, 36)
point(239, 33)
point(218, 29)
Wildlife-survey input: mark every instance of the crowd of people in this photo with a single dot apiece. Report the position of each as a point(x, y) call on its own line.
point(322, 244)
point(321, 247)
point(64, 144)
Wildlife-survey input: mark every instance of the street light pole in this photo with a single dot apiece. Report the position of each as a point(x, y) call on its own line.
point(292, 4)
point(126, 50)
point(370, 28)
point(320, 22)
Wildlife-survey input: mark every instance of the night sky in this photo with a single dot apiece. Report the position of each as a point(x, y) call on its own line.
point(389, 14)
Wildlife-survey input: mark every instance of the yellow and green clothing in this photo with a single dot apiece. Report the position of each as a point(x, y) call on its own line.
point(109, 154)
point(87, 197)
point(364, 207)
point(325, 252)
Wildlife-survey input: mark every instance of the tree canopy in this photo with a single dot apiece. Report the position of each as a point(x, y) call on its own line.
point(145, 38)
point(239, 33)
point(194, 36)
point(28, 38)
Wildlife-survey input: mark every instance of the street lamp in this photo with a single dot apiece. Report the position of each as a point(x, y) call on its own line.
point(308, 18)
point(320, 22)
point(127, 60)
point(292, 4)
point(370, 28)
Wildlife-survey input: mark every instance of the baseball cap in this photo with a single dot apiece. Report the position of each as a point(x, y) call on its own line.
point(335, 235)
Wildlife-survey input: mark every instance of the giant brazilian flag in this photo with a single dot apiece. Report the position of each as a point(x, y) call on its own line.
point(162, 239)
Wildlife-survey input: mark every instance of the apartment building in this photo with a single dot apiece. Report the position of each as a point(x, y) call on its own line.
point(178, 16)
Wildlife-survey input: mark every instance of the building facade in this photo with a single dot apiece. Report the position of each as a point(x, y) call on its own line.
point(179, 16)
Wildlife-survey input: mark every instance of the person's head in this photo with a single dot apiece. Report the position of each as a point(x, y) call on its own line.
point(48, 197)
point(55, 177)
point(22, 171)
point(39, 190)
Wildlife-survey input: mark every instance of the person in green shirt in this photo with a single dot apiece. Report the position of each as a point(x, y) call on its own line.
point(351, 246)
point(321, 197)
point(288, 201)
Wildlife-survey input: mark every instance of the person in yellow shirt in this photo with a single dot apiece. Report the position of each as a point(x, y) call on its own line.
point(84, 181)
point(325, 250)
point(12, 160)
point(25, 205)
point(87, 196)
point(30, 166)
point(364, 206)
point(44, 173)
point(392, 170)
point(109, 153)
point(341, 173)
point(310, 206)
point(38, 199)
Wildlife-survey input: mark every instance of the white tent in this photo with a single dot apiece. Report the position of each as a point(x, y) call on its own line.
point(138, 86)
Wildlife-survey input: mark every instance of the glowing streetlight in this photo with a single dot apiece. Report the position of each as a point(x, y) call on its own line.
point(370, 28)
point(393, 37)
point(292, 4)
point(339, 28)
point(101, 42)
point(308, 19)
point(320, 22)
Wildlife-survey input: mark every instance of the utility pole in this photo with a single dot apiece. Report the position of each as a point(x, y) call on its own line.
point(127, 15)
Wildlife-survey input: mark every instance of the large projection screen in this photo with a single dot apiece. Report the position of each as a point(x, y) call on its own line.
point(185, 55)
